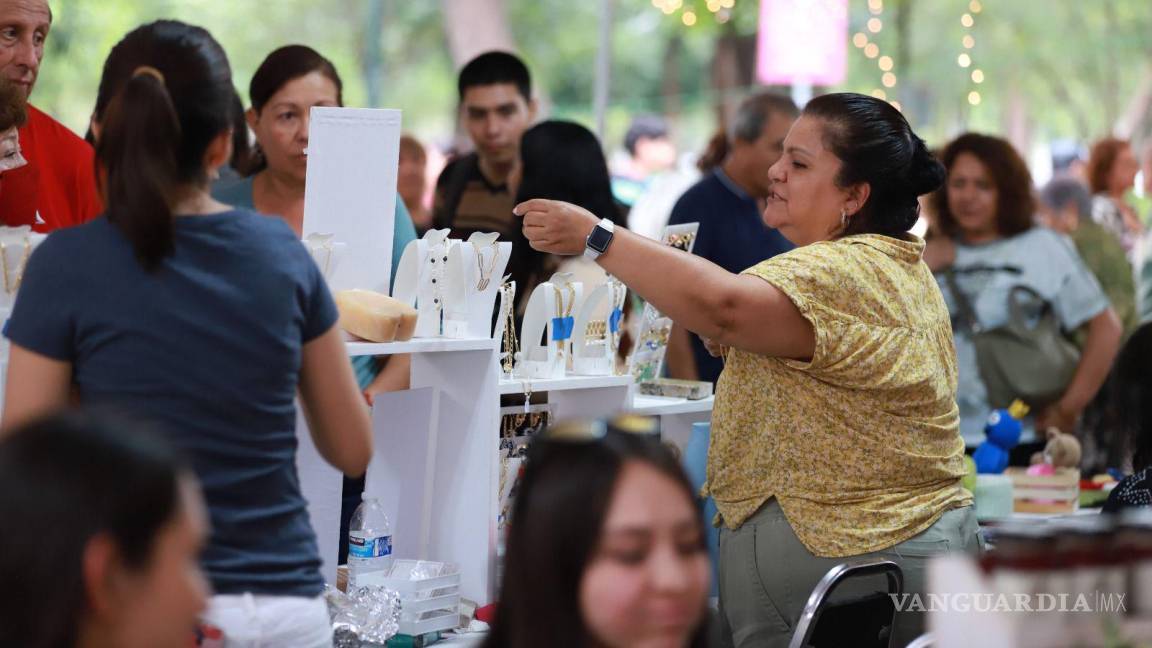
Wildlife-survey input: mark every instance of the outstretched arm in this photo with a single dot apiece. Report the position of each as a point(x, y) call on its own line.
point(740, 311)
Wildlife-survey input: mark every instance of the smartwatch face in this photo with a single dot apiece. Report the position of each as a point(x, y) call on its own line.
point(599, 238)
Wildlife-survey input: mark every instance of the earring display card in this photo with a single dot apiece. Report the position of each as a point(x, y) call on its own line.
point(351, 190)
point(518, 425)
point(647, 362)
point(681, 237)
point(648, 357)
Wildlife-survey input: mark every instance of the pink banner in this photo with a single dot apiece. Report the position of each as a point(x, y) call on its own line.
point(802, 41)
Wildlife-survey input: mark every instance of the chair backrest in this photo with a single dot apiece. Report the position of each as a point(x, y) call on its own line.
point(863, 621)
point(923, 641)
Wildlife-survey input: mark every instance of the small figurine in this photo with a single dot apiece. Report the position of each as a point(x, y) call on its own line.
point(1062, 451)
point(1003, 430)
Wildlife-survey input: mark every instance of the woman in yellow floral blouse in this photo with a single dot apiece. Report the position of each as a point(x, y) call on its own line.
point(835, 431)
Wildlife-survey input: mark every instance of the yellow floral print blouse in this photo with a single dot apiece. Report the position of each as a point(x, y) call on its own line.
point(861, 444)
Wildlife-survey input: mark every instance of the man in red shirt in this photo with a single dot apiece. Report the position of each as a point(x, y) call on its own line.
point(57, 188)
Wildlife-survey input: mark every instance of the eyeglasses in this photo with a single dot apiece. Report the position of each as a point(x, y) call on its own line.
point(588, 430)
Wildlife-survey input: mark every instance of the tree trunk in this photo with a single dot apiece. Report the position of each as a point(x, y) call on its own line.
point(474, 27)
point(670, 86)
point(371, 57)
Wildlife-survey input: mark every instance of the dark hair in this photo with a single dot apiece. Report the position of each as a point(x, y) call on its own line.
point(13, 106)
point(63, 481)
point(559, 160)
point(282, 66)
point(241, 145)
point(747, 125)
point(165, 93)
point(1015, 203)
point(644, 127)
point(555, 527)
point(491, 68)
point(1061, 191)
point(876, 145)
point(1101, 160)
point(1119, 418)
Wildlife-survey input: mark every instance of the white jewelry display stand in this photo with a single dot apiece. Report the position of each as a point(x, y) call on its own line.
point(325, 252)
point(422, 279)
point(475, 269)
point(598, 358)
point(549, 301)
point(435, 465)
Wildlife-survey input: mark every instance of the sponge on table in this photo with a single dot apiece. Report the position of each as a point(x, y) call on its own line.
point(374, 316)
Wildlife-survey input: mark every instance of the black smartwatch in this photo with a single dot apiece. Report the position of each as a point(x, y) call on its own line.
point(600, 238)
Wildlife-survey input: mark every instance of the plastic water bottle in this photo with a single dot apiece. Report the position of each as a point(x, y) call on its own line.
point(369, 540)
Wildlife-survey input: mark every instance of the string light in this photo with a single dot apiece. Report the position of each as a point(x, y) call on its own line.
point(690, 14)
point(871, 49)
point(965, 59)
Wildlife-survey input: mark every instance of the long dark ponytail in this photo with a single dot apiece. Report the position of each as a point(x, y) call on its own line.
point(165, 94)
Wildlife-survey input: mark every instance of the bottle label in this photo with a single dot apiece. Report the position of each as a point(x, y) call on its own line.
point(369, 547)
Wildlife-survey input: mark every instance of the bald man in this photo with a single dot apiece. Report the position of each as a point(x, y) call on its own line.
point(57, 188)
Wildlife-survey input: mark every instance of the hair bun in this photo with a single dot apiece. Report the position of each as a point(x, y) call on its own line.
point(925, 173)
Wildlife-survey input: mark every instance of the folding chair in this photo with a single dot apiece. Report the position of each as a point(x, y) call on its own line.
point(861, 622)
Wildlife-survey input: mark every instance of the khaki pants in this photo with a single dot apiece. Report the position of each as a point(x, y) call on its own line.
point(766, 575)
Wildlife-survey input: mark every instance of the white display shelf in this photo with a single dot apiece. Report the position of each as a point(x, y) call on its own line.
point(665, 406)
point(420, 345)
point(518, 385)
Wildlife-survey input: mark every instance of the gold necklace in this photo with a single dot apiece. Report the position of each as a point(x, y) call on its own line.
point(563, 314)
point(486, 275)
point(11, 287)
point(506, 303)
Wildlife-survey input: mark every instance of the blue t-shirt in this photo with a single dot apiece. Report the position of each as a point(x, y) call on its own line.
point(238, 193)
point(1037, 258)
point(732, 235)
point(209, 347)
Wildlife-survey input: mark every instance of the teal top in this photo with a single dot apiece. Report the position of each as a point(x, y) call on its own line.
point(238, 193)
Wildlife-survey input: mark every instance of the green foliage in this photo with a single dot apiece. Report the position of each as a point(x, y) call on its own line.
point(1055, 69)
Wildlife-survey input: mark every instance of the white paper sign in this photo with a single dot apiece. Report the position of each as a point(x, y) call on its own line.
point(351, 190)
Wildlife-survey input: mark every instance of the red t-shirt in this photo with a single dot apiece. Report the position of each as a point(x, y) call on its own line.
point(57, 188)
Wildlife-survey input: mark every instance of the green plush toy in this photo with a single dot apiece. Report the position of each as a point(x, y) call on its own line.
point(969, 480)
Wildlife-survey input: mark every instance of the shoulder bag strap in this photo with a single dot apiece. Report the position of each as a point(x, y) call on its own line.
point(967, 312)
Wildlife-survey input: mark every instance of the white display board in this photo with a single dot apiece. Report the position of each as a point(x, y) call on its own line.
point(350, 193)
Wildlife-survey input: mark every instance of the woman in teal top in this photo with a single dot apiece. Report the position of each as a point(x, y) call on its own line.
point(285, 87)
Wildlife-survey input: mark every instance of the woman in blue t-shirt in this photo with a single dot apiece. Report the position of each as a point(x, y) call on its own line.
point(987, 240)
point(207, 319)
